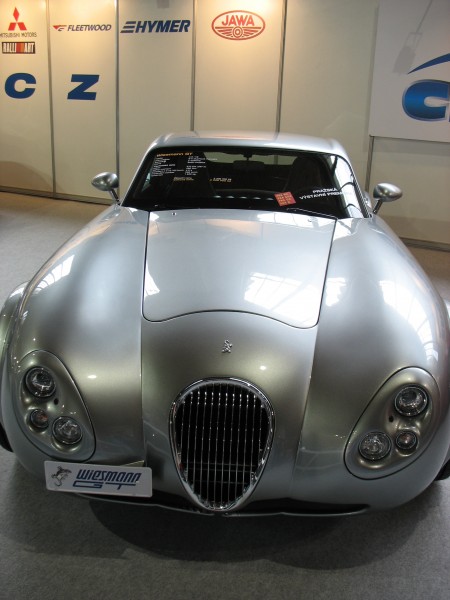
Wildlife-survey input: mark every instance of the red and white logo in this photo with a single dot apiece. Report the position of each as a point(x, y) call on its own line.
point(17, 23)
point(238, 25)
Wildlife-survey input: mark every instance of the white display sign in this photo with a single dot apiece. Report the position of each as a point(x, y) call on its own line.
point(83, 66)
point(411, 80)
point(25, 129)
point(83, 478)
point(238, 59)
point(155, 75)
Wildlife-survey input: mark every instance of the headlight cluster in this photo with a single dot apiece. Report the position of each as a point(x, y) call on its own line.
point(396, 426)
point(50, 407)
point(410, 401)
point(41, 384)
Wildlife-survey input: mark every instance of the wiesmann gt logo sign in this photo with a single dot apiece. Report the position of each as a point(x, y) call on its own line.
point(238, 25)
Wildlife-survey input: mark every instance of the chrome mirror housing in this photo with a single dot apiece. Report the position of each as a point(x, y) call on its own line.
point(107, 182)
point(385, 192)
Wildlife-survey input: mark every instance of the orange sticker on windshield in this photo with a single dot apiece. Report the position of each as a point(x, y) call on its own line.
point(285, 198)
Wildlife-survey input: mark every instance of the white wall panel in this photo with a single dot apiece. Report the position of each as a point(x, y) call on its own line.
point(411, 79)
point(327, 86)
point(25, 137)
point(422, 170)
point(237, 78)
point(155, 75)
point(84, 92)
point(326, 91)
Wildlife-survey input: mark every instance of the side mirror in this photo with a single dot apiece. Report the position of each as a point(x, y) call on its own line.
point(385, 192)
point(107, 182)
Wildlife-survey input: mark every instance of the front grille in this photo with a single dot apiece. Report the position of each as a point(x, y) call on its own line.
point(221, 433)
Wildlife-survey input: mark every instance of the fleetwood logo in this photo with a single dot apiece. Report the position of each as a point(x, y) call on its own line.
point(238, 25)
point(91, 27)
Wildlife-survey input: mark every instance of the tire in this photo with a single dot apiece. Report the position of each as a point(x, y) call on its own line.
point(444, 473)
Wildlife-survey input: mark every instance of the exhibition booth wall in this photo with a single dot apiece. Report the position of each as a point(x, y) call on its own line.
point(86, 86)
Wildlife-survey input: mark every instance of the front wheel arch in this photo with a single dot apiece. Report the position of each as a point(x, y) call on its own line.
point(444, 473)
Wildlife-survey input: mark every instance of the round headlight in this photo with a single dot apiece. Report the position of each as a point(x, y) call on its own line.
point(66, 430)
point(39, 418)
point(411, 401)
point(375, 445)
point(406, 440)
point(40, 382)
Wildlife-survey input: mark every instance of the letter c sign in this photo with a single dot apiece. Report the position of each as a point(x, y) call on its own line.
point(20, 92)
point(427, 100)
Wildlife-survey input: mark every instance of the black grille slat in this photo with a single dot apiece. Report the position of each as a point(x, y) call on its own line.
point(221, 432)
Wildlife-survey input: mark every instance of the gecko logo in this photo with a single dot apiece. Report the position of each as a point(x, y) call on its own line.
point(227, 346)
point(60, 475)
point(428, 99)
point(238, 25)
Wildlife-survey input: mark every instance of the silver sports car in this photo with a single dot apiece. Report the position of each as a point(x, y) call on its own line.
point(240, 334)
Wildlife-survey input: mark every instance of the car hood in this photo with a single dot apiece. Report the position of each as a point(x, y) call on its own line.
point(269, 264)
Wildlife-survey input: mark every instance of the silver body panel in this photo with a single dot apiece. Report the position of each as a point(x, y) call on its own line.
point(222, 260)
point(320, 314)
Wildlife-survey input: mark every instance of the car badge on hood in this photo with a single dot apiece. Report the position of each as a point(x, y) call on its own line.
point(227, 345)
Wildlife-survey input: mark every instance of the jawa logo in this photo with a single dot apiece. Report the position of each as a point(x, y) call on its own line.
point(238, 25)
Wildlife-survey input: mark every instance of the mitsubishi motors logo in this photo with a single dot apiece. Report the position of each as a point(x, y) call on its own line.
point(18, 37)
point(17, 23)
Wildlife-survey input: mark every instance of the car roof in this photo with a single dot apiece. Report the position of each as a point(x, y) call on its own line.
point(285, 141)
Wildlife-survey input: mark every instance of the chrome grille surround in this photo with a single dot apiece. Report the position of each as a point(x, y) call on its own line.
point(221, 432)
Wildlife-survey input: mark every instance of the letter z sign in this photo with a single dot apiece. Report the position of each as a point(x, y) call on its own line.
point(22, 85)
point(80, 92)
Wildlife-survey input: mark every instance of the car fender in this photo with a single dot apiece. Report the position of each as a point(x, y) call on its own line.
point(7, 315)
point(370, 273)
point(83, 308)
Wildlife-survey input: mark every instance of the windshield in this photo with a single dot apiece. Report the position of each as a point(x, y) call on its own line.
point(246, 178)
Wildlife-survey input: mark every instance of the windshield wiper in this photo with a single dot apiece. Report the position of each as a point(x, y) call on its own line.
point(313, 213)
